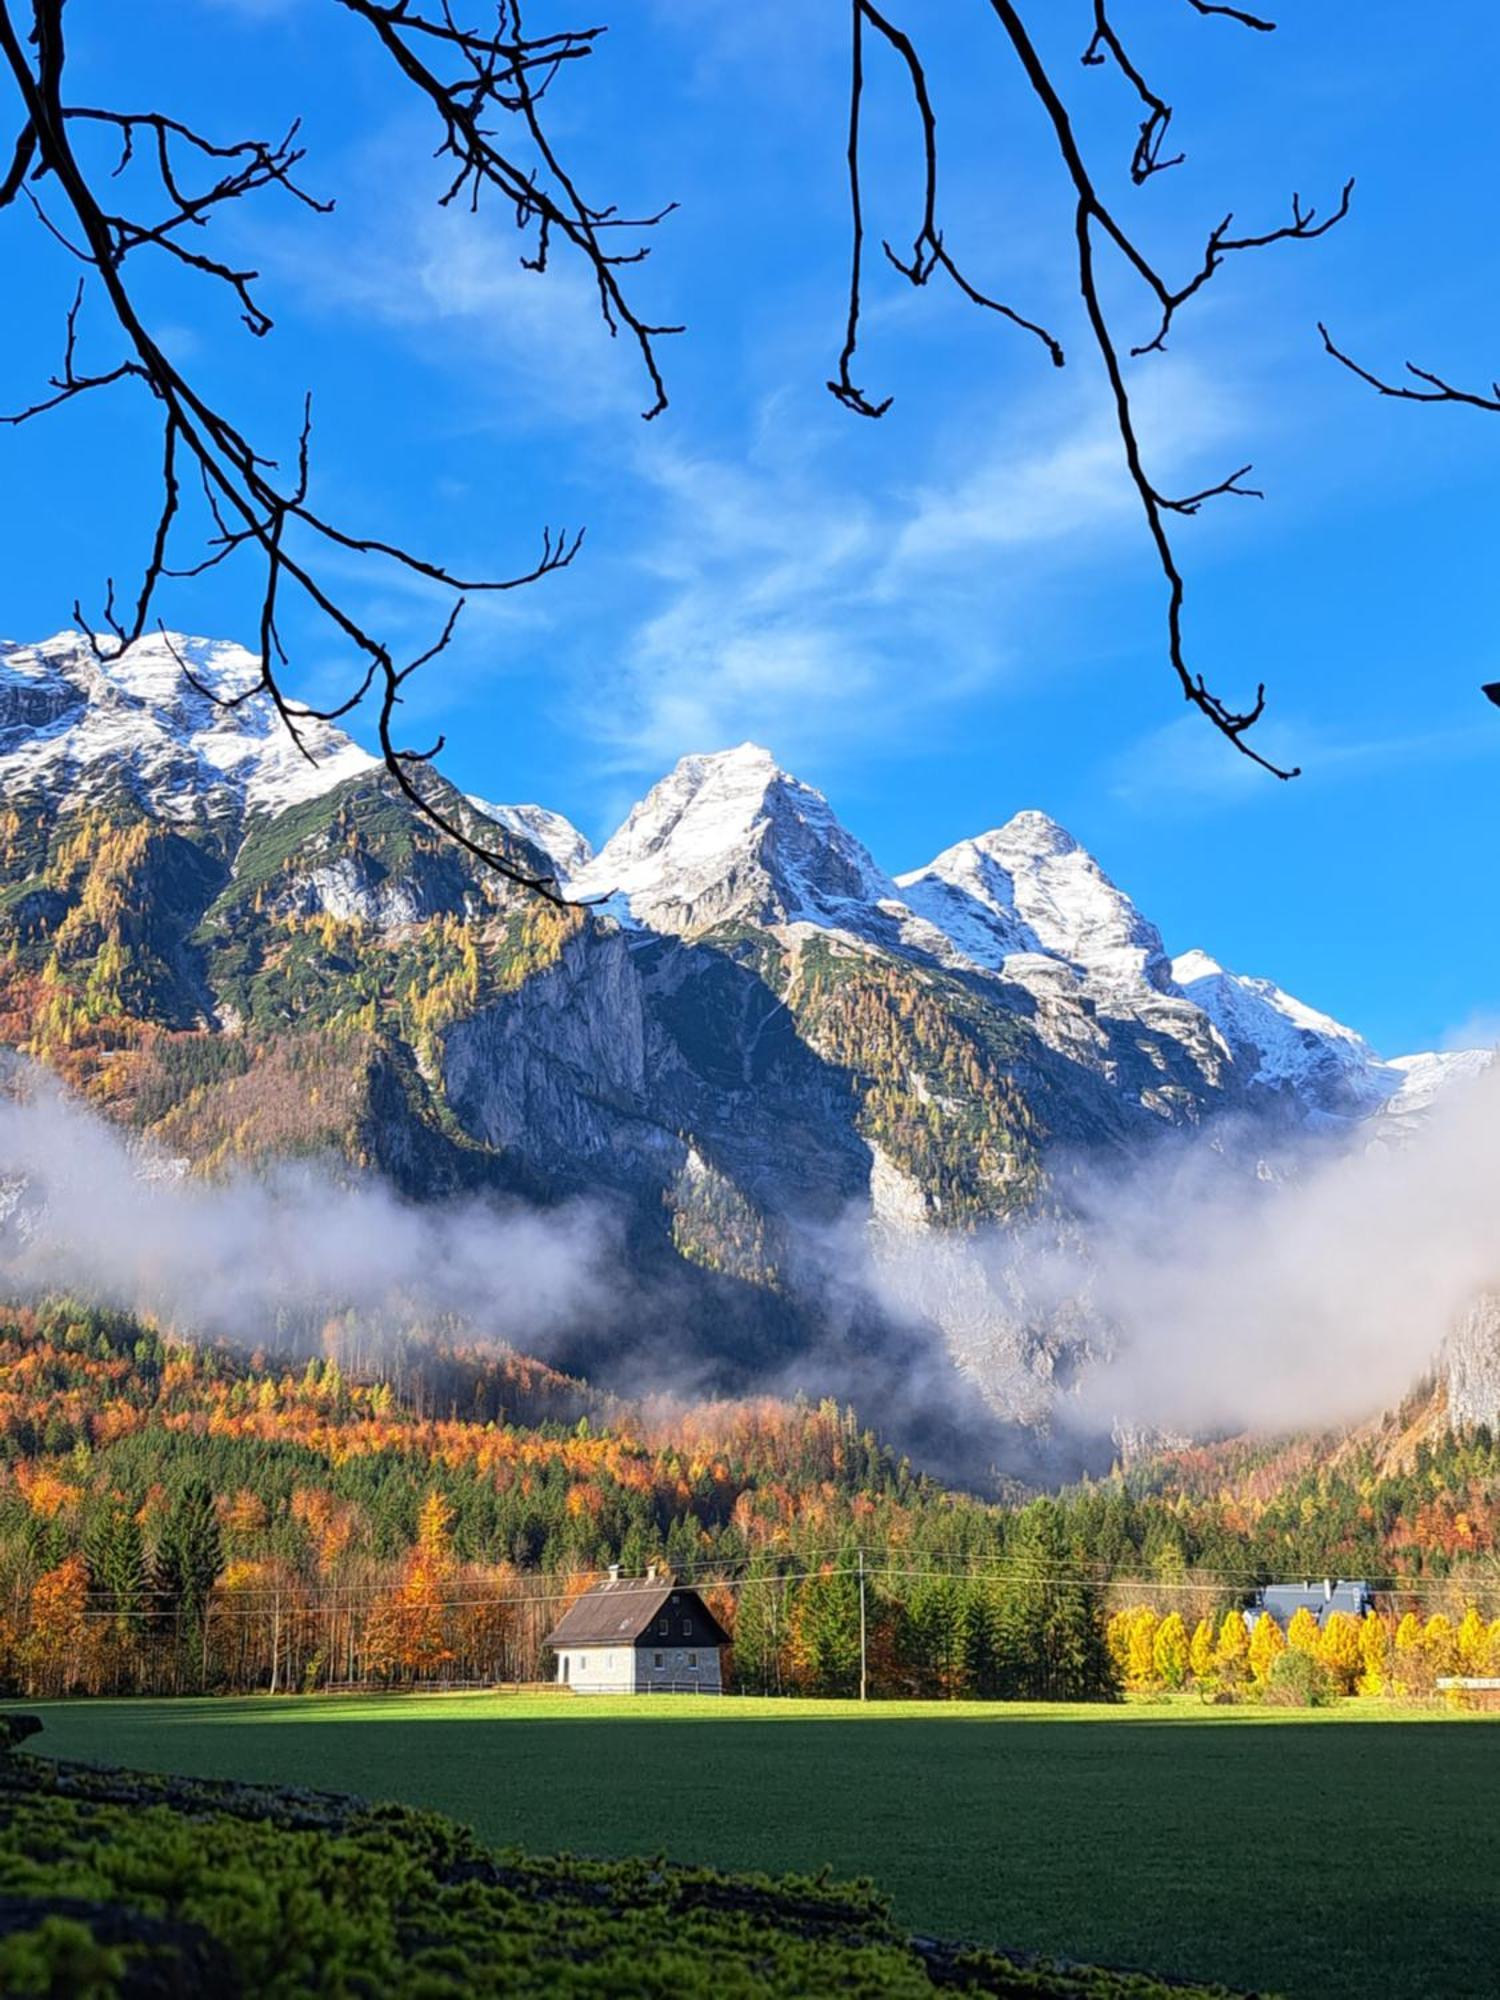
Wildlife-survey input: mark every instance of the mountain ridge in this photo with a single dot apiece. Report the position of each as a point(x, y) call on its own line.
point(761, 1045)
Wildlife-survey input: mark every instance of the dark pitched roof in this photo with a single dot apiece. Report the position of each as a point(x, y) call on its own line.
point(622, 1609)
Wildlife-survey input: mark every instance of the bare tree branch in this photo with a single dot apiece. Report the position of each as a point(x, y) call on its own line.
point(1095, 225)
point(252, 510)
point(1434, 389)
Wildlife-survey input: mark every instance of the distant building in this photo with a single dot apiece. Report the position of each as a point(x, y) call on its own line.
point(1473, 1690)
point(1282, 1601)
point(639, 1635)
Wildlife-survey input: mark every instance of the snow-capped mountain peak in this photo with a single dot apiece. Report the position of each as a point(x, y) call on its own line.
point(1028, 886)
point(729, 836)
point(1296, 1050)
point(1313, 1060)
point(77, 728)
point(549, 832)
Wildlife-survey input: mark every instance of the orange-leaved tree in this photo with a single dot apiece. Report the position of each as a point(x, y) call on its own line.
point(406, 1636)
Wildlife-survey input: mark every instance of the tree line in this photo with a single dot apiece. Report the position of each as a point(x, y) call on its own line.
point(1382, 1654)
point(178, 1516)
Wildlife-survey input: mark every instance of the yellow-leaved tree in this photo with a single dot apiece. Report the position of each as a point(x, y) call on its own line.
point(1473, 1642)
point(1302, 1634)
point(1374, 1653)
point(1266, 1647)
point(1232, 1652)
point(1412, 1676)
point(1141, 1670)
point(1170, 1650)
point(1440, 1645)
point(1201, 1660)
point(1339, 1649)
point(1117, 1638)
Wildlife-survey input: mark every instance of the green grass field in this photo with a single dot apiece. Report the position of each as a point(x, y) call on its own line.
point(1347, 1852)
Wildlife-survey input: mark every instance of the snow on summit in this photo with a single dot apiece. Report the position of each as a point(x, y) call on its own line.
point(552, 835)
point(1309, 1056)
point(1028, 886)
point(78, 728)
point(733, 835)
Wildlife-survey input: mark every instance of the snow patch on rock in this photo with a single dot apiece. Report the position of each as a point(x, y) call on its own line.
point(76, 729)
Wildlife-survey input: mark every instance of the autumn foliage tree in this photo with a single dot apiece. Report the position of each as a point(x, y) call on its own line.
point(407, 1637)
point(1266, 1646)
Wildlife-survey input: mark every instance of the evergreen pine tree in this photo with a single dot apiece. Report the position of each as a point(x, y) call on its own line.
point(188, 1556)
point(118, 1572)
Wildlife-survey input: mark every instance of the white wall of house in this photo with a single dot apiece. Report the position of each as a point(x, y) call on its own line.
point(597, 1669)
point(640, 1669)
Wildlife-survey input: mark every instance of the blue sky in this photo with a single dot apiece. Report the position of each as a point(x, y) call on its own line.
point(942, 617)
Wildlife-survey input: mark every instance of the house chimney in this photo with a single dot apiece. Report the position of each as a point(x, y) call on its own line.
point(614, 1572)
point(1328, 1590)
point(651, 1573)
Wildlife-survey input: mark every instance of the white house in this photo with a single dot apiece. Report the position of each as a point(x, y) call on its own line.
point(639, 1635)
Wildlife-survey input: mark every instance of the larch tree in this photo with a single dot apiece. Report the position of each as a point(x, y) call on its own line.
point(1374, 1653)
point(1201, 1652)
point(1439, 1645)
point(1340, 1651)
point(1473, 1643)
point(1266, 1647)
point(1302, 1633)
point(1170, 1651)
point(1410, 1657)
point(1141, 1671)
point(1231, 1654)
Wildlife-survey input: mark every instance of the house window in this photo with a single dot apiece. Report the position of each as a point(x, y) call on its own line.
point(661, 1626)
point(658, 1659)
point(693, 1661)
point(687, 1628)
point(565, 1667)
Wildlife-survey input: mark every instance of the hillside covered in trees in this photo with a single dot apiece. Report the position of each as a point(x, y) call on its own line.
point(176, 1517)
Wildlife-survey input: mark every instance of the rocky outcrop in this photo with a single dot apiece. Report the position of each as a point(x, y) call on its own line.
point(1470, 1364)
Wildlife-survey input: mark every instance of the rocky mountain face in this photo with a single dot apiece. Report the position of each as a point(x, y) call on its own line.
point(777, 1066)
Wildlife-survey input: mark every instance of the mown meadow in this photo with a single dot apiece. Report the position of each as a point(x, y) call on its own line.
point(1330, 1853)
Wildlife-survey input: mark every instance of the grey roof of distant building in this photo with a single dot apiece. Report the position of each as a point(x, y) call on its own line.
point(1284, 1600)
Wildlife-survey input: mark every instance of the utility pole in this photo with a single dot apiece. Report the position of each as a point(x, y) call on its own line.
point(863, 1663)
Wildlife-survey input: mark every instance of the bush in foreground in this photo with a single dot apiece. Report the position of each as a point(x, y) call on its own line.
point(1298, 1680)
point(116, 1885)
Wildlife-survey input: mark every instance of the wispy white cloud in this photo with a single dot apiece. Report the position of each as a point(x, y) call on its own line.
point(530, 344)
point(792, 603)
point(1046, 481)
point(1186, 766)
point(769, 616)
point(1479, 1030)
